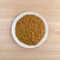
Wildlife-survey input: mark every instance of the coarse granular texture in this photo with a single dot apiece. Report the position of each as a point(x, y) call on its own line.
point(30, 29)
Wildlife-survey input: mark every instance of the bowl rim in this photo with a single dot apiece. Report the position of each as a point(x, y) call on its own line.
point(21, 43)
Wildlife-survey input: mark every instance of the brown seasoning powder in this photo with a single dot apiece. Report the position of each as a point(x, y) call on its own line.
point(30, 29)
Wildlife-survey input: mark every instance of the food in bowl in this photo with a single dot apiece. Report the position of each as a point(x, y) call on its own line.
point(30, 29)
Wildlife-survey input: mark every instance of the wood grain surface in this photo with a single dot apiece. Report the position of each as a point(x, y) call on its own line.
point(9, 9)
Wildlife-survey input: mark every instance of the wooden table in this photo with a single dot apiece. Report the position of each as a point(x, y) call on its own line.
point(9, 9)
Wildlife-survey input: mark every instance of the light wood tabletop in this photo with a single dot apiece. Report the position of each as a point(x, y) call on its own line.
point(9, 9)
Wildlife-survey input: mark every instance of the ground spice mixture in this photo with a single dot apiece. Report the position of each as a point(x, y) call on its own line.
point(30, 29)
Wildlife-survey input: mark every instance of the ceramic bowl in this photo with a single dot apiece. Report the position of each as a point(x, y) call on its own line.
point(21, 43)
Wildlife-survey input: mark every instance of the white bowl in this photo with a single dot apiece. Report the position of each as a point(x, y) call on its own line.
point(21, 43)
